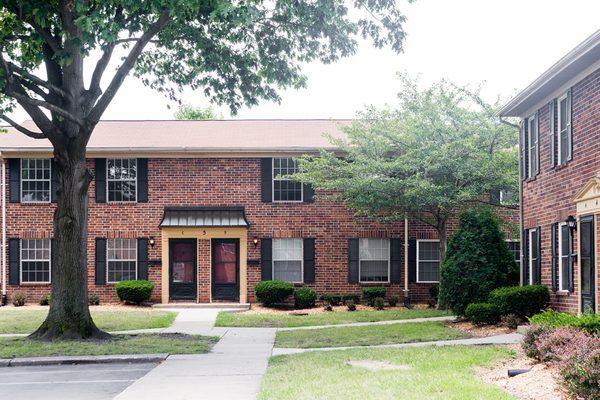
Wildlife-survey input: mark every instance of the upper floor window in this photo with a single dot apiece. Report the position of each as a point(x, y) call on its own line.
point(35, 180)
point(285, 189)
point(35, 261)
point(121, 179)
point(564, 129)
point(533, 146)
point(374, 260)
point(121, 260)
point(428, 261)
point(287, 260)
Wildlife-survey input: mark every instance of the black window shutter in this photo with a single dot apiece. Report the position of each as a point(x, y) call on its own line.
point(553, 131)
point(570, 265)
point(524, 150)
point(266, 179)
point(14, 179)
point(554, 251)
point(142, 180)
point(412, 260)
point(266, 259)
point(14, 261)
point(570, 122)
point(309, 260)
point(525, 265)
point(54, 181)
point(308, 193)
point(142, 259)
point(100, 268)
point(100, 172)
point(538, 265)
point(537, 143)
point(395, 260)
point(353, 260)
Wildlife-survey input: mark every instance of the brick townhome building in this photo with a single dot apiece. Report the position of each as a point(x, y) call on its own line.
point(560, 171)
point(200, 208)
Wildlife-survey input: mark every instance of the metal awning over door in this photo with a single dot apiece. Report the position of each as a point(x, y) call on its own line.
point(204, 217)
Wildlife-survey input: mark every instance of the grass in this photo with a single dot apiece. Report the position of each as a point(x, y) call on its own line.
point(446, 373)
point(119, 344)
point(326, 318)
point(367, 335)
point(24, 320)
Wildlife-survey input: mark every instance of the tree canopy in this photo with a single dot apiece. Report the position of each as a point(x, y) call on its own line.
point(189, 112)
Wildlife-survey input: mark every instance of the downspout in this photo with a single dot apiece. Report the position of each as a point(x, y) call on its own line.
point(406, 293)
point(3, 252)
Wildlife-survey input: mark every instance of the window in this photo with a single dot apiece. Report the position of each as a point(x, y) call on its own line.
point(374, 260)
point(122, 260)
point(533, 254)
point(428, 261)
point(533, 146)
point(35, 261)
point(122, 179)
point(564, 131)
point(287, 260)
point(35, 180)
point(514, 246)
point(508, 198)
point(285, 189)
point(564, 272)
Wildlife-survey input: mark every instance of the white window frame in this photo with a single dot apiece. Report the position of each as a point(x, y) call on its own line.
point(533, 146)
point(439, 261)
point(274, 178)
point(22, 259)
point(360, 260)
point(560, 258)
point(301, 260)
point(121, 180)
point(567, 124)
point(49, 180)
point(108, 260)
point(530, 258)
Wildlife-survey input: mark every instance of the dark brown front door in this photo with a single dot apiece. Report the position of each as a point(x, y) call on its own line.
point(182, 269)
point(225, 269)
point(588, 266)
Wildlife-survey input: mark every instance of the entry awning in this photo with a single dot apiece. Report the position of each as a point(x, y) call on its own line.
point(204, 217)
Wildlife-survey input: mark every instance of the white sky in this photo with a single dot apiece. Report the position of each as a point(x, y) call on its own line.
point(505, 43)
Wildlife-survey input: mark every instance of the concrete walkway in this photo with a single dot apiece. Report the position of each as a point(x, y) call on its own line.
point(510, 338)
point(387, 322)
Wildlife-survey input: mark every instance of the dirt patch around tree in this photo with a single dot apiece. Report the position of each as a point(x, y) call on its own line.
point(480, 331)
point(541, 383)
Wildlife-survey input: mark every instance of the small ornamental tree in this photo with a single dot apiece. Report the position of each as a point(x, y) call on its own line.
point(477, 261)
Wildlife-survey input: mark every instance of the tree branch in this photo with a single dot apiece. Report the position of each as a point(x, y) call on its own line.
point(22, 129)
point(26, 75)
point(22, 97)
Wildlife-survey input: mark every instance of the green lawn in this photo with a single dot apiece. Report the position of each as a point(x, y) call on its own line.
point(26, 320)
point(367, 335)
point(119, 344)
point(435, 373)
point(326, 318)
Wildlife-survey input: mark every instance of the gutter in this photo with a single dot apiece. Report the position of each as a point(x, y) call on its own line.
point(3, 250)
point(406, 292)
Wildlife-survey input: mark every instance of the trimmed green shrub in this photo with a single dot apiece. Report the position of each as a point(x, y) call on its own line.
point(46, 300)
point(351, 296)
point(393, 301)
point(332, 299)
point(589, 323)
point(305, 298)
point(19, 299)
point(371, 293)
point(271, 292)
point(351, 305)
point(523, 301)
point(134, 291)
point(482, 313)
point(94, 300)
point(379, 303)
point(477, 261)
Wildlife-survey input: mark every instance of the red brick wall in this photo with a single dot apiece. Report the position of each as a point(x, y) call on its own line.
point(221, 182)
point(548, 197)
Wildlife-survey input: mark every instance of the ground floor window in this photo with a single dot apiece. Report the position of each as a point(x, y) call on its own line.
point(35, 261)
point(428, 261)
point(514, 246)
point(533, 252)
point(122, 260)
point(564, 269)
point(374, 260)
point(287, 260)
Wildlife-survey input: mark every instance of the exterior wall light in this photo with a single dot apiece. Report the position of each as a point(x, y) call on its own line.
point(151, 241)
point(255, 241)
point(571, 223)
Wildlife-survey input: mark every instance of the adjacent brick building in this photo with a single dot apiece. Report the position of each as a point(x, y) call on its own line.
point(201, 209)
point(560, 171)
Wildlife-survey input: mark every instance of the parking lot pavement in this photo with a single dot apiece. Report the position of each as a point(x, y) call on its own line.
point(89, 381)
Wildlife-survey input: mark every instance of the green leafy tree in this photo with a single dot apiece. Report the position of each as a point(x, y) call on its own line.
point(441, 150)
point(236, 53)
point(188, 112)
point(477, 261)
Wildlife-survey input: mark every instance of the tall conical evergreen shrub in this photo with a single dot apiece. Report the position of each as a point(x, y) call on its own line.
point(477, 261)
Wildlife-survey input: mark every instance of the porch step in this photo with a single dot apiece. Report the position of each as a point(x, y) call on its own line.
point(234, 306)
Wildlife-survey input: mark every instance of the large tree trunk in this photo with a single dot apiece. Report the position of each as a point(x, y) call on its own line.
point(69, 316)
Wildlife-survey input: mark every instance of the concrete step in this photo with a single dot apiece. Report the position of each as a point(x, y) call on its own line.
point(231, 306)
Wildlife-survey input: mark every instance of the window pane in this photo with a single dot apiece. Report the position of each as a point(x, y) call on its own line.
point(122, 179)
point(374, 271)
point(287, 259)
point(290, 271)
point(374, 257)
point(429, 271)
point(35, 180)
point(429, 261)
point(283, 188)
point(122, 259)
point(35, 260)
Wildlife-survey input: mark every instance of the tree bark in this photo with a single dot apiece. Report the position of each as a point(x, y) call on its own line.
point(69, 316)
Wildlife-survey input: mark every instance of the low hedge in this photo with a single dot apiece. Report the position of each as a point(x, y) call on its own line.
point(134, 291)
point(371, 293)
point(271, 292)
point(589, 323)
point(523, 301)
point(304, 298)
point(482, 313)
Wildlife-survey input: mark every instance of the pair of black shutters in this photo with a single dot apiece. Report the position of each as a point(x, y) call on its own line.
point(395, 260)
point(266, 183)
point(101, 262)
point(266, 256)
point(567, 249)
